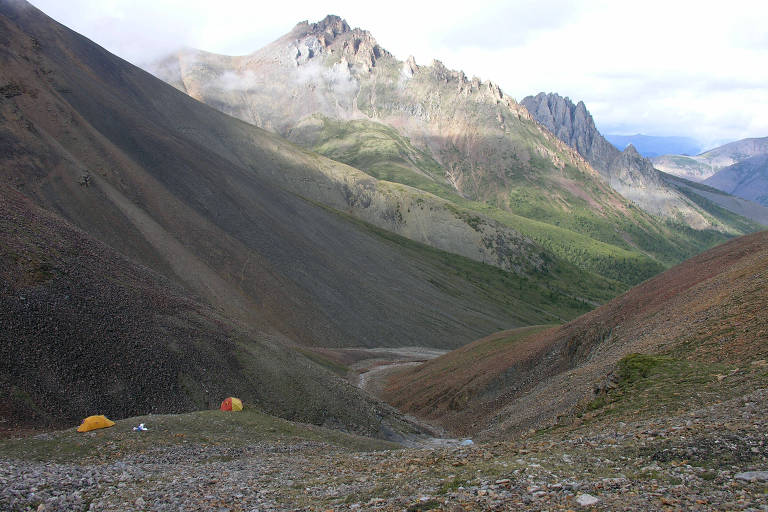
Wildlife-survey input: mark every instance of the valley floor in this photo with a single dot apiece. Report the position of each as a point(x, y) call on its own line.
point(212, 461)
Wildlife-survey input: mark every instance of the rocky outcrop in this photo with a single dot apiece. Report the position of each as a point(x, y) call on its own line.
point(357, 46)
point(573, 124)
point(634, 177)
point(630, 169)
point(628, 172)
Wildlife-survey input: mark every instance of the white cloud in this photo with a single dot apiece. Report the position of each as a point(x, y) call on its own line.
point(657, 67)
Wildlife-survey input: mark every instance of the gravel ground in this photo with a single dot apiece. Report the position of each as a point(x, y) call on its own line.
point(715, 458)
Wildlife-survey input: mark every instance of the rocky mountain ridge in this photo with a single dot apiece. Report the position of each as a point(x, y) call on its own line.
point(629, 173)
point(572, 124)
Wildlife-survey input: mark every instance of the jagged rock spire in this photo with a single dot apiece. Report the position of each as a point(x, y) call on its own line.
point(331, 25)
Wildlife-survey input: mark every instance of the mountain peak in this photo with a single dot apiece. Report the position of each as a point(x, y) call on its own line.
point(333, 33)
point(331, 25)
point(328, 28)
point(631, 150)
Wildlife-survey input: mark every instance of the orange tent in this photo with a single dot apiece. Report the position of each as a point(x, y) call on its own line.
point(94, 422)
point(232, 404)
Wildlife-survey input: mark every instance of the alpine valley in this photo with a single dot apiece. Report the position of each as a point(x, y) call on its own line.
point(376, 257)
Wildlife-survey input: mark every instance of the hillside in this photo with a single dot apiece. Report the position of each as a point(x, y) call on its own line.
point(738, 168)
point(86, 331)
point(245, 220)
point(702, 193)
point(747, 178)
point(688, 325)
point(700, 167)
point(335, 90)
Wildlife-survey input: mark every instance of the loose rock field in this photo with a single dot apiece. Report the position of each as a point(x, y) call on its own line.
point(714, 458)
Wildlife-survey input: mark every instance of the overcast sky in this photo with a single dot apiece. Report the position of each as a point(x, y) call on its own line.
point(689, 68)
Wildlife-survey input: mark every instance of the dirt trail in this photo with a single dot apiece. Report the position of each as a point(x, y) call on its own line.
point(374, 379)
point(375, 371)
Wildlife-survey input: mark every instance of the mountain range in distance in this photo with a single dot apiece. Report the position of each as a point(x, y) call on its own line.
point(656, 145)
point(739, 168)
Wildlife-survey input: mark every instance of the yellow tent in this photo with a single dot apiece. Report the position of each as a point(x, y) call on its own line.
point(94, 422)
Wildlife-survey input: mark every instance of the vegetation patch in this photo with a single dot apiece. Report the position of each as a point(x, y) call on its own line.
point(648, 385)
point(560, 294)
point(452, 485)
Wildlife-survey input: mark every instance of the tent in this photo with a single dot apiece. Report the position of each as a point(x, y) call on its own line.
point(94, 422)
point(232, 404)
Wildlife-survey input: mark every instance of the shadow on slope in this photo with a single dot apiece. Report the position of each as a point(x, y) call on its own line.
point(86, 331)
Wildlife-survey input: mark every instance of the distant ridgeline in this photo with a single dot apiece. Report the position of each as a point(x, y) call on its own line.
point(654, 145)
point(739, 168)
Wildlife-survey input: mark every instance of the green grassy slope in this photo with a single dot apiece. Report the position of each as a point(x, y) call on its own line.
point(563, 292)
point(629, 247)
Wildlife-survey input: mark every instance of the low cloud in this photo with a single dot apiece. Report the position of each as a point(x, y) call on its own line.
point(336, 78)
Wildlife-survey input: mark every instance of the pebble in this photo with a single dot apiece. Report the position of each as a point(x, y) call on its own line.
point(586, 500)
point(752, 476)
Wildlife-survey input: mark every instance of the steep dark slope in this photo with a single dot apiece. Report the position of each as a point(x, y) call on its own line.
point(83, 330)
point(201, 198)
point(705, 312)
